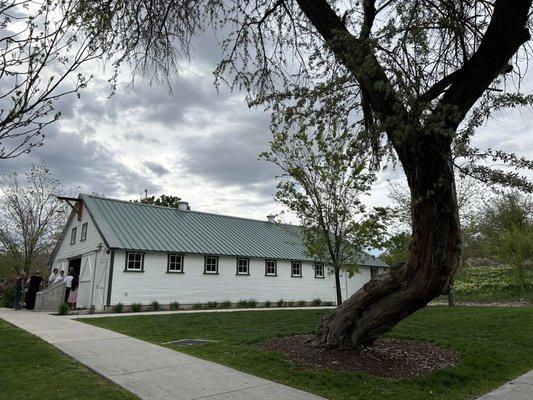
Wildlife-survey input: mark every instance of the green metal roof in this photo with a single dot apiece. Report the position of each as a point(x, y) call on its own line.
point(136, 226)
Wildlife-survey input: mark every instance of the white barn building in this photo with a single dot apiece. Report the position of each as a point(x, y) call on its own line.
point(129, 253)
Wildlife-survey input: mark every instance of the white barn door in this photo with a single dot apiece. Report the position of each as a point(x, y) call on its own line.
point(86, 280)
point(99, 299)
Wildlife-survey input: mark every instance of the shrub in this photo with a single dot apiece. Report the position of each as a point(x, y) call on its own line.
point(328, 303)
point(225, 304)
point(117, 308)
point(289, 303)
point(8, 298)
point(63, 309)
point(252, 303)
point(175, 305)
point(316, 302)
point(198, 306)
point(155, 306)
point(268, 303)
point(302, 303)
point(92, 309)
point(211, 304)
point(136, 307)
point(281, 303)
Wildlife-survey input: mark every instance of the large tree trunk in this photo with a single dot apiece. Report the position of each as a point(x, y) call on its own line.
point(338, 289)
point(433, 258)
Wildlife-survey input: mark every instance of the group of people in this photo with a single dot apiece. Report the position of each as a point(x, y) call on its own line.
point(26, 289)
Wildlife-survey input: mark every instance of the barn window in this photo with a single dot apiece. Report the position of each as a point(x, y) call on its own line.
point(73, 235)
point(271, 268)
point(84, 231)
point(211, 265)
point(175, 263)
point(134, 262)
point(374, 272)
point(296, 269)
point(243, 266)
point(319, 270)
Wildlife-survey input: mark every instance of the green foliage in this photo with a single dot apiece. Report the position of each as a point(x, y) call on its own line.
point(493, 344)
point(324, 181)
point(8, 298)
point(491, 284)
point(155, 306)
point(63, 309)
point(251, 303)
point(163, 200)
point(92, 309)
point(211, 304)
point(117, 308)
point(497, 217)
point(328, 303)
point(268, 303)
point(302, 303)
point(225, 304)
point(174, 306)
point(516, 248)
point(280, 303)
point(316, 302)
point(289, 303)
point(136, 307)
point(198, 306)
point(397, 248)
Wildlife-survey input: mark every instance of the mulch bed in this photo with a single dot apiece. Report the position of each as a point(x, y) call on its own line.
point(390, 358)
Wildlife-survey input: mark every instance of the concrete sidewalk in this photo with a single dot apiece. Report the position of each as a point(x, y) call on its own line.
point(520, 388)
point(147, 370)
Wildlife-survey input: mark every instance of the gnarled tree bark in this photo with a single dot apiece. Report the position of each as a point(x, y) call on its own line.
point(433, 260)
point(425, 154)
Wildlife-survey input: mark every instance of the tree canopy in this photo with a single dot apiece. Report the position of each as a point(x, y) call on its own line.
point(163, 200)
point(324, 183)
point(41, 53)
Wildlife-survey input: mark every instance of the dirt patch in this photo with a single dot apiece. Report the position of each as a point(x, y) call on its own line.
point(390, 358)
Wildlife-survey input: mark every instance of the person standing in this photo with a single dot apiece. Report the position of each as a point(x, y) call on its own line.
point(19, 285)
point(73, 295)
point(34, 283)
point(60, 277)
point(53, 276)
point(68, 283)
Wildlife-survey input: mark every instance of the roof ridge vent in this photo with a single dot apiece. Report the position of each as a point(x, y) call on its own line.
point(183, 206)
point(271, 218)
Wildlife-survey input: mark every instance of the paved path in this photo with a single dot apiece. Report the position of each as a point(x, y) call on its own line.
point(145, 369)
point(520, 388)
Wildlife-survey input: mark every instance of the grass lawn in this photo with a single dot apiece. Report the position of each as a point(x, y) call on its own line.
point(495, 344)
point(33, 369)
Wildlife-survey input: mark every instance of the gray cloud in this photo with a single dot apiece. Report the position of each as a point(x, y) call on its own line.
point(83, 164)
point(140, 137)
point(230, 157)
point(156, 168)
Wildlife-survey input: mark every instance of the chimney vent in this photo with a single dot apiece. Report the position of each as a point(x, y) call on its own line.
point(184, 206)
point(271, 218)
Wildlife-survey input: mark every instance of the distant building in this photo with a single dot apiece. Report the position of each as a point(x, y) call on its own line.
point(128, 253)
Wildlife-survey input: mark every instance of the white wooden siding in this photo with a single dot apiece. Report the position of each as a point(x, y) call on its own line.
point(193, 286)
point(93, 262)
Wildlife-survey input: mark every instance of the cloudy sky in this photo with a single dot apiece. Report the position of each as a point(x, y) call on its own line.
point(196, 143)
